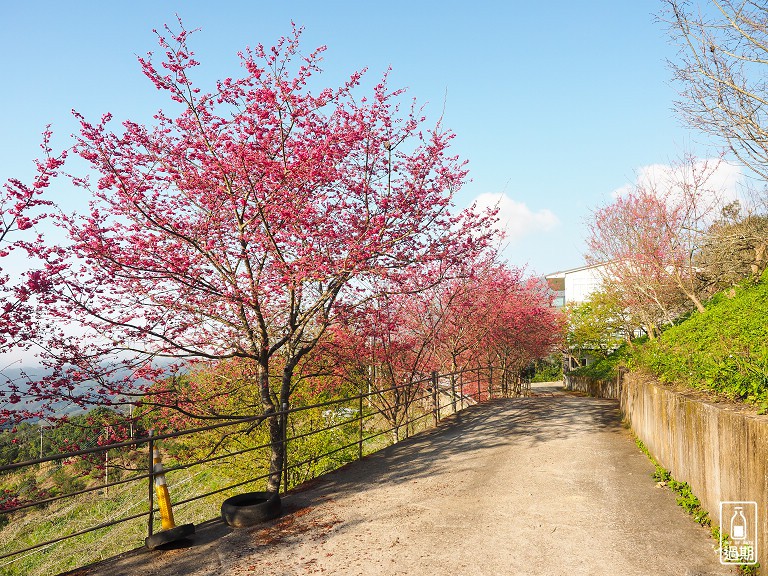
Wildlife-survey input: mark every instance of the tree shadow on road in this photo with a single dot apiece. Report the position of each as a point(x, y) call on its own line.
point(461, 440)
point(468, 434)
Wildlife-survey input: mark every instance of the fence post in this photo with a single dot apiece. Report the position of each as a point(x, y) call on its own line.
point(435, 397)
point(479, 386)
point(285, 447)
point(360, 415)
point(461, 389)
point(151, 445)
point(453, 392)
point(490, 382)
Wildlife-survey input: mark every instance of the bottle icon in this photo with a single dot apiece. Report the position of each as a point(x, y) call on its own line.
point(738, 525)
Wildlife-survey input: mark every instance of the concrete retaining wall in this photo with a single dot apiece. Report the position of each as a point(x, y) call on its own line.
point(721, 450)
point(596, 388)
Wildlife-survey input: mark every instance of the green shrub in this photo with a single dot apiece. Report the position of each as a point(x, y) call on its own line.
point(607, 368)
point(65, 482)
point(27, 488)
point(548, 370)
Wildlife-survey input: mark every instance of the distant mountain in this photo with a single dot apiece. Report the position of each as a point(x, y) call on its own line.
point(19, 374)
point(9, 375)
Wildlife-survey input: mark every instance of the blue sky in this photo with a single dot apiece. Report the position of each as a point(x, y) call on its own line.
point(555, 104)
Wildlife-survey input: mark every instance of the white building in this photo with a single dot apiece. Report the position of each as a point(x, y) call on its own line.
point(576, 284)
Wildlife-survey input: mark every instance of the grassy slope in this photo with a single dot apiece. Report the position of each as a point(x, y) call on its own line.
point(79, 512)
point(86, 510)
point(723, 350)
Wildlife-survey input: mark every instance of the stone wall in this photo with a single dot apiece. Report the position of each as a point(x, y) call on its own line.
point(721, 450)
point(596, 388)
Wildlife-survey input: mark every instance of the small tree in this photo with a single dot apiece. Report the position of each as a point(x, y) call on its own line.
point(649, 239)
point(395, 343)
point(599, 324)
point(389, 348)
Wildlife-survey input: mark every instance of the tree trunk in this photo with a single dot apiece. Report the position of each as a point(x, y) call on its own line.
point(757, 264)
point(453, 392)
point(275, 429)
point(278, 425)
point(277, 455)
point(395, 432)
point(693, 298)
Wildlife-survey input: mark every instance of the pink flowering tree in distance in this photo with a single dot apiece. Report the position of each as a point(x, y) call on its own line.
point(650, 237)
point(499, 318)
point(242, 225)
point(489, 316)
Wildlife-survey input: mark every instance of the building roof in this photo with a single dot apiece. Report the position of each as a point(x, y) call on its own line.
point(562, 273)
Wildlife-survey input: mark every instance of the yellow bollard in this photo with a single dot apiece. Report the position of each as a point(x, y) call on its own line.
point(163, 496)
point(171, 532)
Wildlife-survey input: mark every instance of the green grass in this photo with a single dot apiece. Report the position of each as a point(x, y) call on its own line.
point(79, 512)
point(686, 499)
point(689, 502)
point(548, 370)
point(723, 350)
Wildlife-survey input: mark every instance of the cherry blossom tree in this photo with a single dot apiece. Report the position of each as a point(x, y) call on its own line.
point(488, 316)
point(22, 208)
point(241, 225)
point(526, 326)
point(496, 317)
point(649, 238)
point(389, 351)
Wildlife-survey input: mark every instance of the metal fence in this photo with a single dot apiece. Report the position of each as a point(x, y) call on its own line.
point(366, 420)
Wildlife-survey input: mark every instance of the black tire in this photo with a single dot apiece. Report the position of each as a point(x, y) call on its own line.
point(169, 536)
point(250, 508)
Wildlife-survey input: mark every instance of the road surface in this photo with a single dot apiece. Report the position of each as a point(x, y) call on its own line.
point(547, 485)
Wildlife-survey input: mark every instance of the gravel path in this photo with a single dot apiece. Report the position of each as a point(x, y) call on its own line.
point(547, 485)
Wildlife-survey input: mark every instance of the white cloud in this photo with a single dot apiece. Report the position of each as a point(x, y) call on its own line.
point(722, 183)
point(515, 219)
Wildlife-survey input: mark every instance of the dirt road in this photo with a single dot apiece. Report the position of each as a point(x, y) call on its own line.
point(548, 485)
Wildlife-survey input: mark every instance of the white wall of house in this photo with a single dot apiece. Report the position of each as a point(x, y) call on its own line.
point(581, 283)
point(575, 285)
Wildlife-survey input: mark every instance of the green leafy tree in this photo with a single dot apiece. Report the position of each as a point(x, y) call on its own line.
point(599, 325)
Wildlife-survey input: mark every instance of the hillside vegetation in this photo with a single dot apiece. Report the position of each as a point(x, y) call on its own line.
point(216, 464)
point(723, 349)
